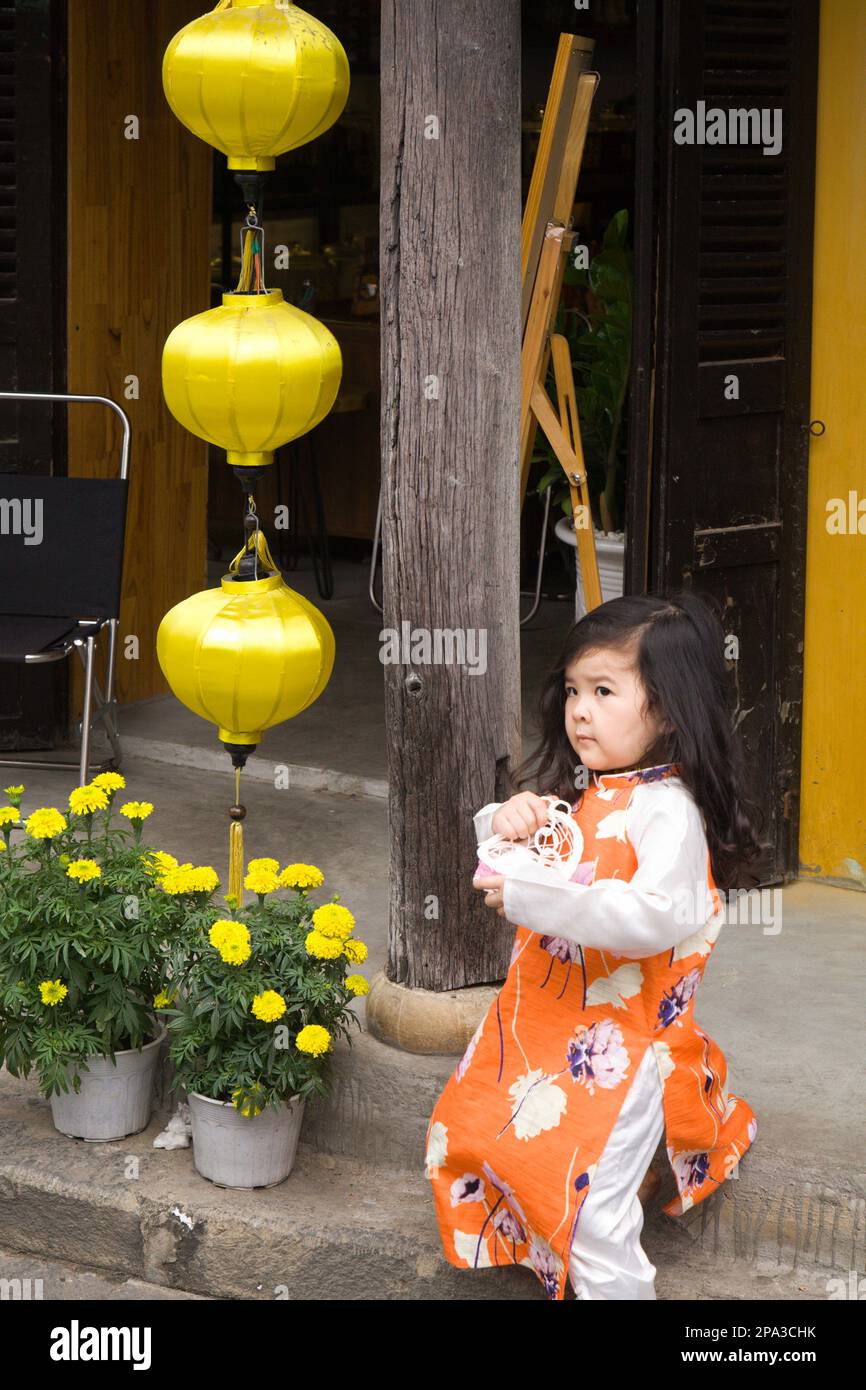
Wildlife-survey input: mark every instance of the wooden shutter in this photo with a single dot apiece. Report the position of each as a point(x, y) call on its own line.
point(728, 496)
point(32, 302)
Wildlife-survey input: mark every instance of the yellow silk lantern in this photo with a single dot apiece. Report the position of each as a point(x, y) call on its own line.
point(251, 375)
point(246, 656)
point(254, 78)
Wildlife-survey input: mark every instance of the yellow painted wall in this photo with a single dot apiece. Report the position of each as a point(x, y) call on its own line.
point(833, 782)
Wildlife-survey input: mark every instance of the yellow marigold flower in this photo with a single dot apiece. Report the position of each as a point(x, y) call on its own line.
point(157, 862)
point(2, 846)
point(232, 940)
point(235, 952)
point(333, 920)
point(108, 781)
point(301, 876)
point(52, 991)
point(323, 947)
point(357, 984)
point(162, 1000)
point(355, 950)
point(262, 881)
point(176, 880)
point(136, 810)
point(83, 801)
point(45, 823)
point(313, 1039)
point(187, 879)
point(83, 870)
point(9, 815)
point(220, 931)
point(15, 794)
point(203, 879)
point(250, 1108)
point(269, 1006)
point(272, 865)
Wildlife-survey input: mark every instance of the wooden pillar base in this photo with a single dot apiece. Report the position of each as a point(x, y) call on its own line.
point(424, 1020)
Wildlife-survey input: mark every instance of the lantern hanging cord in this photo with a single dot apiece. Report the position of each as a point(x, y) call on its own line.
point(256, 551)
point(251, 521)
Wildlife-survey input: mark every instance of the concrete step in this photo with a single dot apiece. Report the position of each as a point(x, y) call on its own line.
point(34, 1278)
point(339, 1228)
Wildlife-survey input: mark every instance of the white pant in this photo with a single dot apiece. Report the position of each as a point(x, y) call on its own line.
point(607, 1260)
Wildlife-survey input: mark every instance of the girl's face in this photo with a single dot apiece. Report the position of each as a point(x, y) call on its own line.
point(605, 717)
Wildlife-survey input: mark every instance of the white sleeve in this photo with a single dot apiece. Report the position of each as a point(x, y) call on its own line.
point(665, 900)
point(483, 821)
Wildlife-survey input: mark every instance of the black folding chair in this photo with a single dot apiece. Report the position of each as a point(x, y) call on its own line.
point(61, 562)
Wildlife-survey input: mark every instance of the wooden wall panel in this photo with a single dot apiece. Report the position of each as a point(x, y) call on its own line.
point(139, 228)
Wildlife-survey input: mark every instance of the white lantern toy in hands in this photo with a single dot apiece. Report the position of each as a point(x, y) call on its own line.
point(558, 846)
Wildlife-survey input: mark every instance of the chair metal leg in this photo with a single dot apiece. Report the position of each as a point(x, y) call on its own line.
point(372, 590)
point(105, 709)
point(108, 707)
point(307, 516)
point(110, 721)
point(282, 501)
point(86, 712)
point(537, 592)
point(289, 549)
point(533, 610)
point(112, 659)
point(320, 552)
point(108, 714)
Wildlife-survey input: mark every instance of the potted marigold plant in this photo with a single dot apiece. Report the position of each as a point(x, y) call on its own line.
point(85, 929)
point(260, 995)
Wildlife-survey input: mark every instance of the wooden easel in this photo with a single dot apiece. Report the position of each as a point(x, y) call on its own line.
point(547, 240)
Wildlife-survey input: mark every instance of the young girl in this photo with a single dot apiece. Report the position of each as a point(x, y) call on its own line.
point(590, 1052)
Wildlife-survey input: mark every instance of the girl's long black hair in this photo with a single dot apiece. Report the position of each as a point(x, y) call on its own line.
point(681, 664)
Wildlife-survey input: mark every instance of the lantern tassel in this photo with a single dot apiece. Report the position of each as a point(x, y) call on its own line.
point(261, 549)
point(236, 844)
point(236, 860)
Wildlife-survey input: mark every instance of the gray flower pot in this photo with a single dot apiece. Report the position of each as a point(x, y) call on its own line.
point(235, 1150)
point(115, 1099)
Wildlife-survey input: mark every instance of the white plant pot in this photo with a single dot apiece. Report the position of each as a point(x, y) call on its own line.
point(235, 1150)
point(610, 553)
point(115, 1099)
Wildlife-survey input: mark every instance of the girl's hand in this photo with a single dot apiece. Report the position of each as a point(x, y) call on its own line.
point(492, 888)
point(519, 818)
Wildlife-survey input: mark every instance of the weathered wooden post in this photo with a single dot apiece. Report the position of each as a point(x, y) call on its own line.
point(450, 288)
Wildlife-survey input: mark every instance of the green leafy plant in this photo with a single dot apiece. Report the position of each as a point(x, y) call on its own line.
point(261, 994)
point(84, 927)
point(102, 940)
point(601, 360)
